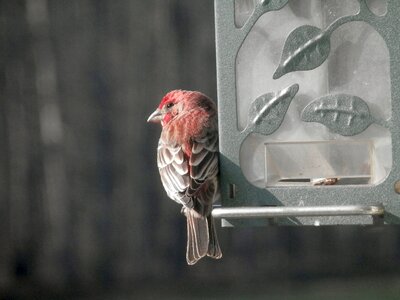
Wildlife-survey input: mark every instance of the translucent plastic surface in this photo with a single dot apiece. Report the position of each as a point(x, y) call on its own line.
point(346, 162)
point(243, 10)
point(378, 7)
point(358, 64)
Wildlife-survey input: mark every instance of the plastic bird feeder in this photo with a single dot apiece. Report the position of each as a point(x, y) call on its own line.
point(309, 111)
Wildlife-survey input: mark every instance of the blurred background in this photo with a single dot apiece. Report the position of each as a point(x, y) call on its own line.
point(83, 213)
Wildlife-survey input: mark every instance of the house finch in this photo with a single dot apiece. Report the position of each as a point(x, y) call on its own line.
point(187, 158)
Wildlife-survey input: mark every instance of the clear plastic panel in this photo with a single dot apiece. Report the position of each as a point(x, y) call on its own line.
point(340, 162)
point(358, 64)
point(378, 7)
point(243, 10)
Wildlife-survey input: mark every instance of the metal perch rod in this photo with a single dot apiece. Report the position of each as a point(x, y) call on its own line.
point(287, 211)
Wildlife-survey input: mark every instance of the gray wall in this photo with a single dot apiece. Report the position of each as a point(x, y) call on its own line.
point(81, 205)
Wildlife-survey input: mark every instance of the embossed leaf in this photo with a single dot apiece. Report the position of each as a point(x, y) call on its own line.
point(344, 114)
point(268, 111)
point(274, 4)
point(306, 48)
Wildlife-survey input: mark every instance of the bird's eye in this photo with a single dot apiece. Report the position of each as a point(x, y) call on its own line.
point(169, 105)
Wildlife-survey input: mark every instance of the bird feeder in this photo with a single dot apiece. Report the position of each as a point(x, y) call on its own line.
point(309, 111)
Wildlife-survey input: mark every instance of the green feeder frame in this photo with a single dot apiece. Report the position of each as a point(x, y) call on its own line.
point(309, 111)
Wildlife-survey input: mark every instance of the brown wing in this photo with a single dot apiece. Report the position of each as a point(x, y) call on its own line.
point(203, 167)
point(192, 183)
point(174, 172)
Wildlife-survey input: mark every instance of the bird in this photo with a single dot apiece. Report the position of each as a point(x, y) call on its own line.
point(187, 159)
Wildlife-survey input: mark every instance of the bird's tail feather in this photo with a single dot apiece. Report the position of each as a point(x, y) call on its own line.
point(214, 249)
point(202, 238)
point(197, 238)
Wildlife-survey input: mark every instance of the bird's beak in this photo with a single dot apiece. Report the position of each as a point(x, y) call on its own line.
point(155, 117)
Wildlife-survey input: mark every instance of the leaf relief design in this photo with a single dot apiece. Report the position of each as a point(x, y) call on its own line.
point(267, 112)
point(344, 114)
point(306, 48)
point(274, 4)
